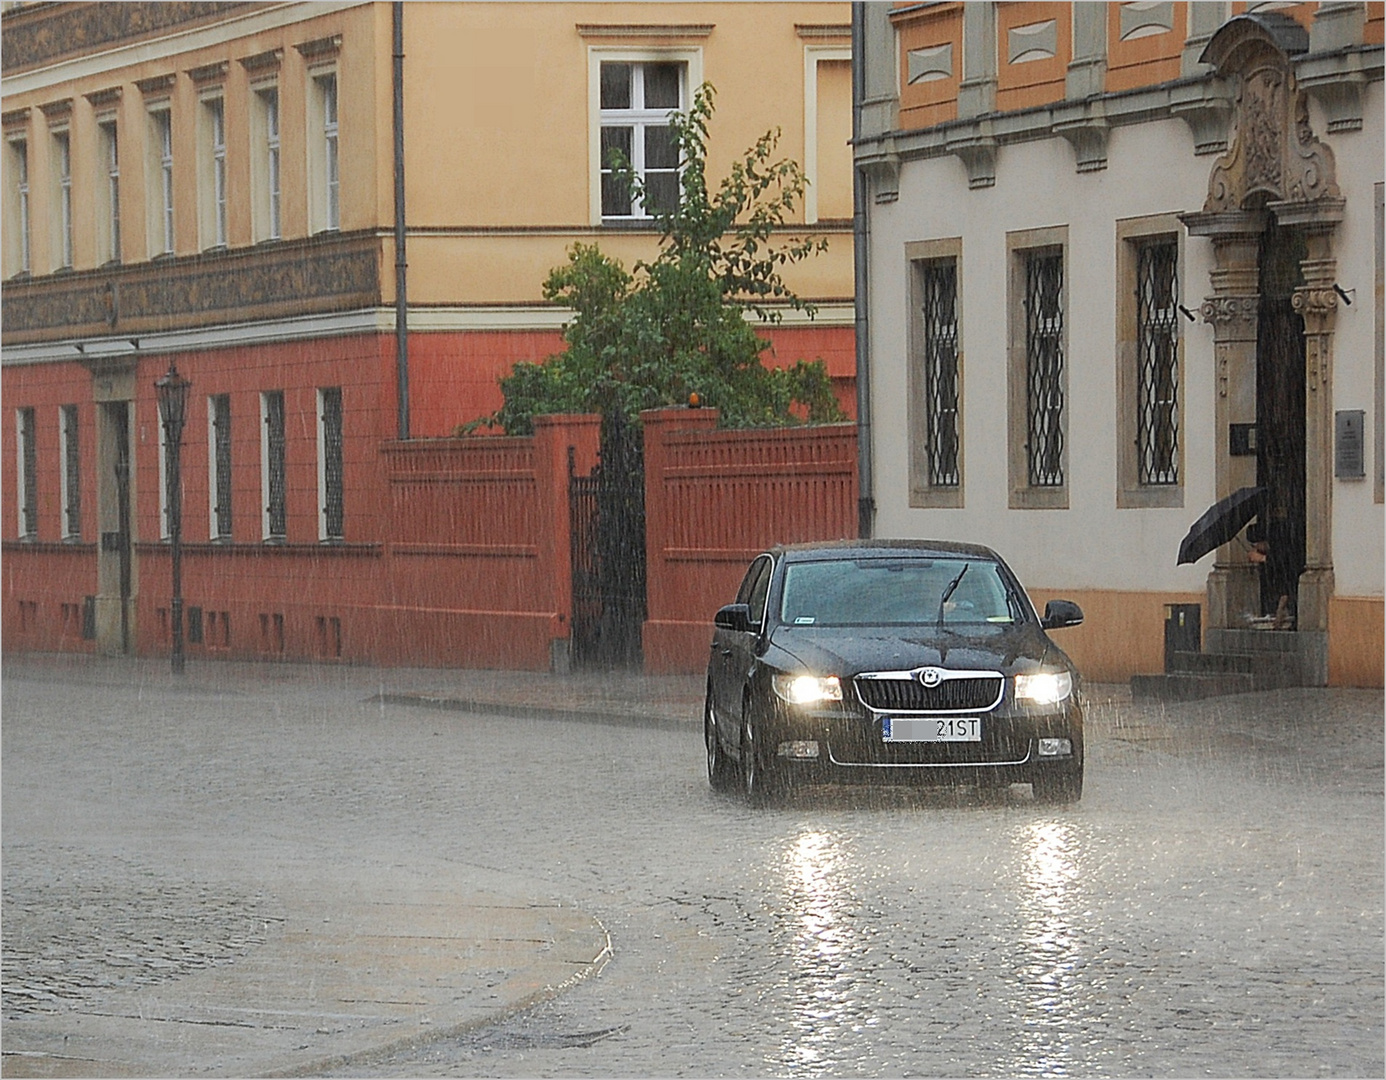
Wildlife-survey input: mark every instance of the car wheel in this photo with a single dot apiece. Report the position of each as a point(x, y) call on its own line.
point(1056, 786)
point(757, 775)
point(721, 773)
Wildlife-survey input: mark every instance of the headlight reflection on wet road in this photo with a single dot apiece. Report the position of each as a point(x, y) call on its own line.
point(1052, 950)
point(826, 954)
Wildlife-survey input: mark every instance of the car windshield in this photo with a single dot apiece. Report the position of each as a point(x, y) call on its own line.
point(875, 592)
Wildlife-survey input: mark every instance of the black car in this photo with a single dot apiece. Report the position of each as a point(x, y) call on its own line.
point(891, 661)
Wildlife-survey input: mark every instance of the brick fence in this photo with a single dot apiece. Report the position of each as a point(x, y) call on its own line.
point(716, 499)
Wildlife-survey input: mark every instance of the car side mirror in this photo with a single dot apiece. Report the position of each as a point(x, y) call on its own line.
point(1061, 613)
point(734, 617)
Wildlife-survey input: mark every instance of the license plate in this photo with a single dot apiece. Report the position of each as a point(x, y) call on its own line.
point(931, 729)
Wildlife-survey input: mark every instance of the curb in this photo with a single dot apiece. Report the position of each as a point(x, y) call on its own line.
point(610, 718)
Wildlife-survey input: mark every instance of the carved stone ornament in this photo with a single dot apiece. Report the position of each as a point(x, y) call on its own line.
point(1222, 312)
point(1314, 302)
point(1274, 154)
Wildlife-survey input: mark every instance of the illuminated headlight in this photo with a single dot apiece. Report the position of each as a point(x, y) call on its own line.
point(1055, 747)
point(807, 689)
point(1044, 688)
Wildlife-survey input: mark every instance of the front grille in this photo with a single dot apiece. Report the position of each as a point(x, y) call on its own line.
point(971, 693)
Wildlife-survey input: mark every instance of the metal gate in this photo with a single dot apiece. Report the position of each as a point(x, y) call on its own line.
point(608, 551)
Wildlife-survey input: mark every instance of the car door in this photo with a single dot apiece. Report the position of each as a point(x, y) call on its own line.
point(736, 649)
point(732, 649)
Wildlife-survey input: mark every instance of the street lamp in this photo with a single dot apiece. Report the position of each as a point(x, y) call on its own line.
point(173, 389)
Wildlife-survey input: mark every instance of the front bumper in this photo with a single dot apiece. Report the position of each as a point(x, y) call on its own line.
point(851, 749)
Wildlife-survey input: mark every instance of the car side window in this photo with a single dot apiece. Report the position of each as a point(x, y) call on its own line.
point(760, 589)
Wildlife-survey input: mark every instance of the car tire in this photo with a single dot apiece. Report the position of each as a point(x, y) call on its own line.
point(1059, 786)
point(757, 772)
point(721, 770)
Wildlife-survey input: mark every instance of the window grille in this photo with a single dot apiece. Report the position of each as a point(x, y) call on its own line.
point(636, 100)
point(62, 146)
point(275, 509)
point(1157, 340)
point(1044, 365)
point(940, 290)
point(221, 466)
point(72, 474)
point(331, 400)
point(28, 492)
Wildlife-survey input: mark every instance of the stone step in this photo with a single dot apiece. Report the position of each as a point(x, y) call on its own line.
point(1190, 686)
point(1280, 668)
point(1253, 641)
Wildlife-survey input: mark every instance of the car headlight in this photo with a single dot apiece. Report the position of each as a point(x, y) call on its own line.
point(1044, 688)
point(807, 689)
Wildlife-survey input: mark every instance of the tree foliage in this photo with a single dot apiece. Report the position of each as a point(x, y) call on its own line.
point(677, 325)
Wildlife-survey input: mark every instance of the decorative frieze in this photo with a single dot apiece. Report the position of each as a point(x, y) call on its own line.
point(284, 280)
point(40, 36)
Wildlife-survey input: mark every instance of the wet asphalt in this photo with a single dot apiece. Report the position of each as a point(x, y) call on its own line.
point(1213, 906)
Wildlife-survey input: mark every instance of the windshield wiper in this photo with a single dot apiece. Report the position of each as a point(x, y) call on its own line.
point(952, 585)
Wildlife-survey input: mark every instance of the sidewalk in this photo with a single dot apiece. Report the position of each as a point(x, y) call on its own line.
point(352, 964)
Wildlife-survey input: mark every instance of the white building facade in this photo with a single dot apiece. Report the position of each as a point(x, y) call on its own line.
point(1122, 261)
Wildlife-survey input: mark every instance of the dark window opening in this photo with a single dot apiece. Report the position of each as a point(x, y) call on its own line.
point(940, 289)
point(1157, 341)
point(332, 508)
point(275, 508)
point(1044, 366)
point(221, 466)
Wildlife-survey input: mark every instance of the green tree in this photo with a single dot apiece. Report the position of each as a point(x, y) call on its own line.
point(677, 325)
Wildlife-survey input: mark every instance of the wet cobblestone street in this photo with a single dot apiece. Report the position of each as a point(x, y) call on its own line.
point(1213, 906)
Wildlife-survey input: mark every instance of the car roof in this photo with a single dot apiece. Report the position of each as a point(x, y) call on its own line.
point(882, 549)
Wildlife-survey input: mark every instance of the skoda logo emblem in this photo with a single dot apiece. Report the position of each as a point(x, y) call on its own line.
point(931, 676)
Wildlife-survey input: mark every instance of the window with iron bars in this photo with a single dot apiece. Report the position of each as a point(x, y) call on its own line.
point(272, 477)
point(219, 434)
point(1044, 367)
point(330, 461)
point(72, 475)
point(939, 289)
point(1157, 351)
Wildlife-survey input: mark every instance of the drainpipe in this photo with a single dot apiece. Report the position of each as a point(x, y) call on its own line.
point(401, 266)
point(866, 503)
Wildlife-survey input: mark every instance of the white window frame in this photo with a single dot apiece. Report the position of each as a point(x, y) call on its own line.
point(324, 150)
point(692, 61)
point(18, 149)
point(62, 189)
point(69, 417)
point(813, 56)
point(160, 181)
point(212, 151)
point(109, 131)
point(268, 161)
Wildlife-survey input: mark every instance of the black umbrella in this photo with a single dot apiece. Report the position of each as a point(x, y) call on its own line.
point(1220, 522)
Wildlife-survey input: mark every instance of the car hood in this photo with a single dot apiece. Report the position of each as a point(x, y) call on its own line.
point(848, 651)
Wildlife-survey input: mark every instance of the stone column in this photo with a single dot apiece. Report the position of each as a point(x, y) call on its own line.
point(1317, 304)
point(1234, 583)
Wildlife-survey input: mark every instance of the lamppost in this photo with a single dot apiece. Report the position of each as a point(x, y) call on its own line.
point(173, 389)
